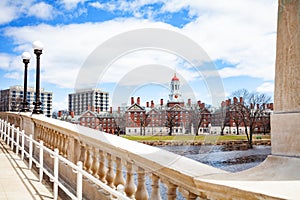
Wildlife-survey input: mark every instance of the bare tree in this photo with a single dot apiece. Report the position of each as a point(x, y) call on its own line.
point(120, 122)
point(144, 122)
point(236, 115)
point(198, 116)
point(265, 123)
point(172, 120)
point(250, 112)
point(220, 117)
point(257, 110)
point(244, 93)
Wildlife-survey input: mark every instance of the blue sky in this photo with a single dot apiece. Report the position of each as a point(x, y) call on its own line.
point(239, 37)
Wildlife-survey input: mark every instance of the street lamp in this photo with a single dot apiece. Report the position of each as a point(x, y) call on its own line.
point(26, 58)
point(38, 48)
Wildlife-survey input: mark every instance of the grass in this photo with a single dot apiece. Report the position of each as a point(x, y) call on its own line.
point(192, 137)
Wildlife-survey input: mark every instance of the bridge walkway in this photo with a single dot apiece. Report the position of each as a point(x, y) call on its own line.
point(17, 181)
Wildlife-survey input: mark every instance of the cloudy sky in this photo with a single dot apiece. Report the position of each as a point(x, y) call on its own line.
point(238, 37)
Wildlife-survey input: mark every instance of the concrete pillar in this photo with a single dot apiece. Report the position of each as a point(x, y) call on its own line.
point(285, 120)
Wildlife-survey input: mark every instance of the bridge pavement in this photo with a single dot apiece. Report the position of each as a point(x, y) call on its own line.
point(17, 181)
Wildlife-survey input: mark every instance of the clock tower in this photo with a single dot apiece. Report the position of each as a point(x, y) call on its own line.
point(175, 95)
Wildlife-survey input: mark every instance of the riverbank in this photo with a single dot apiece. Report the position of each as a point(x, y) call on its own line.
point(231, 142)
point(230, 145)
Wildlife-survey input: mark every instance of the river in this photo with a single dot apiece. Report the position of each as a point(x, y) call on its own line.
point(217, 156)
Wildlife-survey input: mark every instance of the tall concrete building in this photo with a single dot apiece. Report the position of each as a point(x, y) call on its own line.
point(11, 99)
point(88, 99)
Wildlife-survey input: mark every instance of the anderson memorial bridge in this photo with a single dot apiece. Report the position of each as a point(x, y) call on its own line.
point(81, 163)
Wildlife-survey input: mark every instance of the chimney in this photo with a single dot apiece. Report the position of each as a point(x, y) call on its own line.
point(241, 100)
point(132, 100)
point(138, 100)
point(199, 103)
point(59, 113)
point(119, 109)
point(223, 104)
point(235, 100)
point(147, 104)
point(202, 105)
point(110, 109)
point(257, 106)
point(161, 102)
point(93, 108)
point(251, 106)
point(89, 107)
point(152, 104)
point(227, 102)
point(189, 102)
point(271, 106)
point(98, 110)
point(71, 113)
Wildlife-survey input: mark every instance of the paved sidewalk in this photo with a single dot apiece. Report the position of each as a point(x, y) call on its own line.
point(17, 181)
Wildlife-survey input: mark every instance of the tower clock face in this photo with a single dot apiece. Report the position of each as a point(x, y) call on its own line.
point(176, 96)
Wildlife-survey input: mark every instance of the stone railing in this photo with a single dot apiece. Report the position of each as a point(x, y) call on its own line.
point(118, 162)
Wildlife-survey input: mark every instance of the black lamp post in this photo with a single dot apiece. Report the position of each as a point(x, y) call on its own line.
point(38, 48)
point(26, 58)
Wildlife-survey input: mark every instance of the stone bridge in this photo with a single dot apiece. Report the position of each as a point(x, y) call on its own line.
point(116, 161)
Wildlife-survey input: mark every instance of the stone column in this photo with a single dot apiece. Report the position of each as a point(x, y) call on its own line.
point(285, 121)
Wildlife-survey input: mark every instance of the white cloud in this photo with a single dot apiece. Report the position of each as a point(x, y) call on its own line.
point(266, 87)
point(8, 12)
point(12, 10)
point(137, 8)
point(5, 61)
point(60, 105)
point(41, 10)
point(71, 4)
point(66, 47)
point(13, 75)
point(227, 31)
point(232, 32)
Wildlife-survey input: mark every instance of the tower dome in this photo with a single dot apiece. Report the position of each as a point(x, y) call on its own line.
point(175, 78)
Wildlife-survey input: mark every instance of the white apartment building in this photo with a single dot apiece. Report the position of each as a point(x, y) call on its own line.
point(11, 99)
point(88, 99)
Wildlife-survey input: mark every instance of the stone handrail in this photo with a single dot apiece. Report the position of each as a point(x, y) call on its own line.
point(109, 158)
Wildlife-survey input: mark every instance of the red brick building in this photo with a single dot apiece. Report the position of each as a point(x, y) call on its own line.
point(177, 117)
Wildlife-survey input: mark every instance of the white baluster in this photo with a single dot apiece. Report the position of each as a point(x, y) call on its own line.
point(12, 137)
point(171, 191)
point(102, 169)
point(89, 159)
point(110, 173)
point(119, 179)
point(155, 194)
point(65, 147)
point(82, 154)
point(17, 140)
point(95, 164)
point(141, 192)
point(129, 186)
point(8, 133)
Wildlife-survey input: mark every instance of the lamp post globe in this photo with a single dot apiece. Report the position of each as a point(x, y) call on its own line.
point(38, 49)
point(26, 56)
point(37, 45)
point(26, 59)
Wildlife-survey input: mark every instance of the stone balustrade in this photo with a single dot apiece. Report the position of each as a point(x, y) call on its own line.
point(121, 163)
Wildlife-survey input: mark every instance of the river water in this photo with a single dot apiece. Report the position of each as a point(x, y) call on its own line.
point(216, 156)
point(220, 157)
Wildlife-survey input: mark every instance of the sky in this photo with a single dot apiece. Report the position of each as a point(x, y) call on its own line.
point(237, 38)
